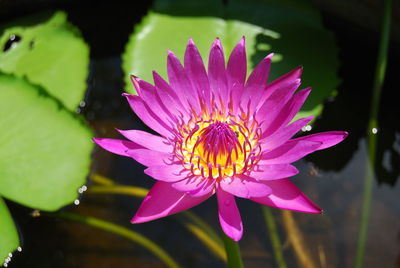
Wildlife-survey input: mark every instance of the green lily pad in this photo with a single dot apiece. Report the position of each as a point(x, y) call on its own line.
point(9, 237)
point(44, 149)
point(291, 29)
point(48, 53)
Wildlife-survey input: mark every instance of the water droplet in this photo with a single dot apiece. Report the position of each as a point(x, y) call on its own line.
point(78, 110)
point(8, 260)
point(82, 104)
point(5, 265)
point(80, 190)
point(35, 213)
point(374, 130)
point(10, 255)
point(19, 249)
point(77, 202)
point(308, 128)
point(84, 188)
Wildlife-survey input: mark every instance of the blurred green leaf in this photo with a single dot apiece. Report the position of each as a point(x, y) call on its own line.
point(48, 53)
point(9, 237)
point(291, 29)
point(44, 149)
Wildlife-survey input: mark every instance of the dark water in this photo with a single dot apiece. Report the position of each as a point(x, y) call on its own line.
point(332, 178)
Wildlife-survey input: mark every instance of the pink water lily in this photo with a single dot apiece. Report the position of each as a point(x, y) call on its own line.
point(219, 134)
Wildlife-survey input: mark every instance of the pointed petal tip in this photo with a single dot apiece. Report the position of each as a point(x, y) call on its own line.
point(120, 131)
point(135, 81)
point(99, 141)
point(269, 56)
point(136, 219)
point(191, 42)
point(217, 43)
point(305, 91)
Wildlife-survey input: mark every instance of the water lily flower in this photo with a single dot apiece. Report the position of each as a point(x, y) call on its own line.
point(219, 133)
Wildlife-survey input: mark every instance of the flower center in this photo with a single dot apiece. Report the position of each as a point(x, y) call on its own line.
point(218, 148)
point(218, 145)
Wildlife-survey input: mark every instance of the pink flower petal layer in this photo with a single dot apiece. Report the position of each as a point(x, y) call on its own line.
point(328, 138)
point(164, 200)
point(282, 82)
point(148, 117)
point(289, 152)
point(147, 140)
point(117, 146)
point(217, 73)
point(150, 158)
point(236, 70)
point(195, 185)
point(244, 186)
point(284, 134)
point(194, 67)
point(181, 83)
point(167, 173)
point(229, 216)
point(256, 83)
point(273, 172)
point(285, 195)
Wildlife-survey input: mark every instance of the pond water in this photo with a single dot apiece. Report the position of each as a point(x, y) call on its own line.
point(333, 178)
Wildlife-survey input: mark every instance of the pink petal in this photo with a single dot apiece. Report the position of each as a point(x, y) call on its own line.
point(150, 97)
point(195, 185)
point(289, 152)
point(147, 140)
point(237, 64)
point(284, 134)
point(285, 195)
point(236, 69)
point(147, 116)
point(217, 73)
point(229, 216)
point(196, 72)
point(150, 158)
point(256, 83)
point(328, 138)
point(281, 82)
point(164, 200)
point(273, 172)
point(181, 83)
point(244, 186)
point(117, 146)
point(288, 112)
point(167, 173)
point(168, 96)
point(272, 107)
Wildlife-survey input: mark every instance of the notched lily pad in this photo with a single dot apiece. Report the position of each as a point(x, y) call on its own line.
point(291, 29)
point(44, 149)
point(49, 53)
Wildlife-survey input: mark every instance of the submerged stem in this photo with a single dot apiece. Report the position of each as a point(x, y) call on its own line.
point(119, 189)
point(274, 236)
point(122, 231)
point(197, 227)
point(232, 252)
point(297, 240)
point(372, 133)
